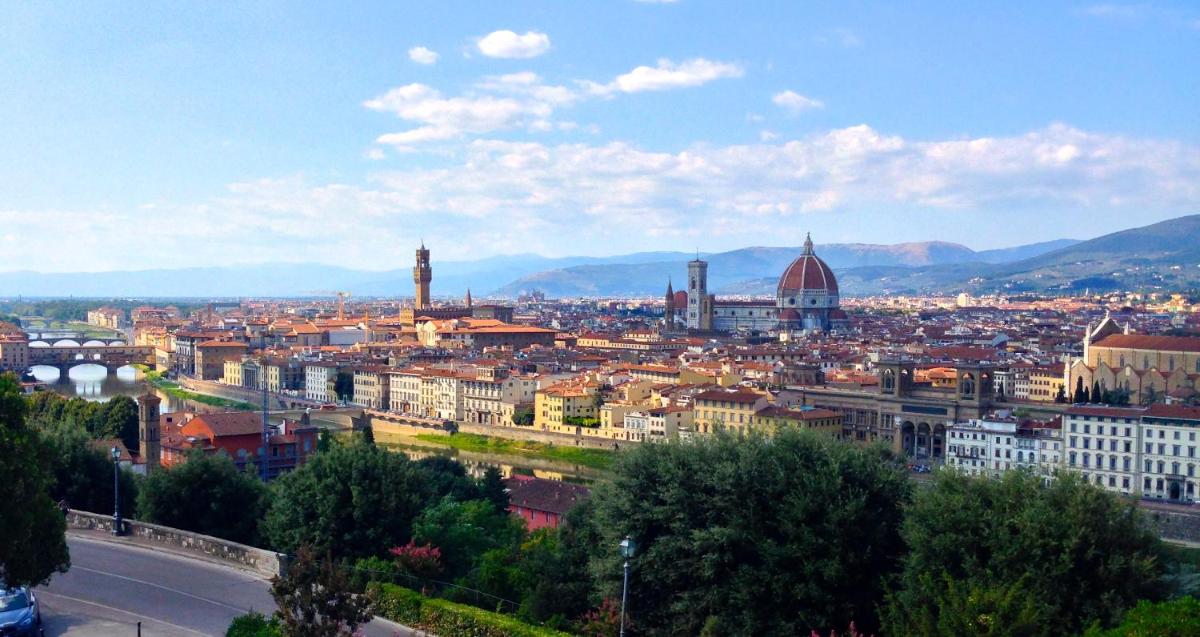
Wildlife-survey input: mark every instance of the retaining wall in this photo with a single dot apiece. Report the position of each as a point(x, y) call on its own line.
point(1175, 525)
point(262, 561)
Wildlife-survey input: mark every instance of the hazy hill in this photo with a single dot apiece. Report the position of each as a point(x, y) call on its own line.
point(754, 271)
point(1163, 255)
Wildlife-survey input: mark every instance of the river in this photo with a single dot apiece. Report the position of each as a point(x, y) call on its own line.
point(95, 382)
point(508, 464)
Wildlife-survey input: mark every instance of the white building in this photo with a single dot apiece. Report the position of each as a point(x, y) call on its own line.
point(319, 379)
point(1148, 452)
point(983, 446)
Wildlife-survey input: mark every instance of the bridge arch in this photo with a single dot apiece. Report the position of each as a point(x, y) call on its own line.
point(39, 344)
point(115, 343)
point(94, 343)
point(66, 342)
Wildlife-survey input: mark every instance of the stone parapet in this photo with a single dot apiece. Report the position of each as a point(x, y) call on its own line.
point(264, 562)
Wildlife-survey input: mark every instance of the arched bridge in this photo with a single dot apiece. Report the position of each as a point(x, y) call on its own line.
point(60, 340)
point(111, 356)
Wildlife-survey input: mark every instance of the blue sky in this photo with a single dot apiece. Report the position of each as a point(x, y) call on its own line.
point(142, 135)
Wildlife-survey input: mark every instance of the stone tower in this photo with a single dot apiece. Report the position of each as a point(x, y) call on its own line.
point(669, 312)
point(148, 445)
point(422, 275)
point(699, 315)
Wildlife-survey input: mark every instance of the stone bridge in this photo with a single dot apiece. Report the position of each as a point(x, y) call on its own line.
point(65, 357)
point(68, 339)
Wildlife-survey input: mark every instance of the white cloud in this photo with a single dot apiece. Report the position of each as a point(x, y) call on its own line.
point(538, 197)
point(508, 44)
point(668, 75)
point(445, 118)
point(375, 154)
point(422, 55)
point(795, 102)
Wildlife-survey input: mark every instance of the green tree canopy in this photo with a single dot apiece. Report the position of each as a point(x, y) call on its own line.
point(1079, 555)
point(33, 543)
point(464, 531)
point(83, 474)
point(1176, 618)
point(207, 494)
point(352, 501)
point(775, 536)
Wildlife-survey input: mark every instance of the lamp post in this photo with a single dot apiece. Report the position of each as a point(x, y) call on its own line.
point(116, 456)
point(628, 548)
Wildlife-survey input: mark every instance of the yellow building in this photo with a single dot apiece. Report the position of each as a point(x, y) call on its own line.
point(1044, 383)
point(729, 409)
point(554, 405)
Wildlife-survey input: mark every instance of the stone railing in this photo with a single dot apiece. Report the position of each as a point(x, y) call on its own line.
point(261, 561)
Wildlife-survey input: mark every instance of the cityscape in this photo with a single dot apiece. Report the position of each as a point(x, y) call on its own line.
point(688, 351)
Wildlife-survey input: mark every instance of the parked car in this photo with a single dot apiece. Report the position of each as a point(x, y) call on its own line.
point(20, 615)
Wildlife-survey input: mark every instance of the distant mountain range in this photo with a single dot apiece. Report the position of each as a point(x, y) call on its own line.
point(1165, 254)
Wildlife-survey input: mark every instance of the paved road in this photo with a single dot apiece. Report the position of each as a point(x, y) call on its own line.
point(111, 587)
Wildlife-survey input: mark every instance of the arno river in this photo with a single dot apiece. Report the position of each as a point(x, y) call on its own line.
point(95, 382)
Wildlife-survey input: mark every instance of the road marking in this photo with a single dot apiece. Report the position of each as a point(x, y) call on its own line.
point(45, 593)
point(196, 561)
point(165, 588)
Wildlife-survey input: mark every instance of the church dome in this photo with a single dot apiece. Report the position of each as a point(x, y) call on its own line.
point(806, 275)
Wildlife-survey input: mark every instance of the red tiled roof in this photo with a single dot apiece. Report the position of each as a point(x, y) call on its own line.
point(544, 495)
point(807, 272)
point(235, 423)
point(1143, 341)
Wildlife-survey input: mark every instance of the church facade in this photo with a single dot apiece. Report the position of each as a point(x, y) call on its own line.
point(806, 299)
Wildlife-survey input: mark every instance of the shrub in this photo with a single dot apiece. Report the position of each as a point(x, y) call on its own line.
point(253, 624)
point(447, 619)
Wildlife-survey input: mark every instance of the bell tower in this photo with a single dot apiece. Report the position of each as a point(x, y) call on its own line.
point(149, 447)
point(422, 275)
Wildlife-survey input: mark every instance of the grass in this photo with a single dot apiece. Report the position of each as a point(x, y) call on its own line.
point(173, 389)
point(594, 458)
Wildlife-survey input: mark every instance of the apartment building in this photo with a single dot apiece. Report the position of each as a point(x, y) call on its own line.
point(1148, 452)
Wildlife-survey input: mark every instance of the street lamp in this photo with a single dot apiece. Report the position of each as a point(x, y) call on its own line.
point(628, 548)
point(116, 456)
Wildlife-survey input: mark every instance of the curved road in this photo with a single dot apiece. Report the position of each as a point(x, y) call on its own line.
point(111, 586)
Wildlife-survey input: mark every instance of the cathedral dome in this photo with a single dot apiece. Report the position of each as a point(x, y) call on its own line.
point(807, 276)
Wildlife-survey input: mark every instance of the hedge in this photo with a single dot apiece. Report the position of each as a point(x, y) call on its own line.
point(253, 624)
point(447, 619)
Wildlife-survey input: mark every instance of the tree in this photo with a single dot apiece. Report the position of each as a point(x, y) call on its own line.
point(1176, 618)
point(351, 501)
point(254, 624)
point(1086, 398)
point(775, 535)
point(523, 416)
point(492, 489)
point(1060, 396)
point(33, 543)
point(82, 474)
point(1097, 394)
point(447, 476)
point(1080, 395)
point(120, 420)
point(554, 579)
point(207, 494)
point(1056, 557)
point(316, 599)
point(368, 435)
point(464, 531)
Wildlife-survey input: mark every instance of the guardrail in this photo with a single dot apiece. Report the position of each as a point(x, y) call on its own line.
point(261, 561)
